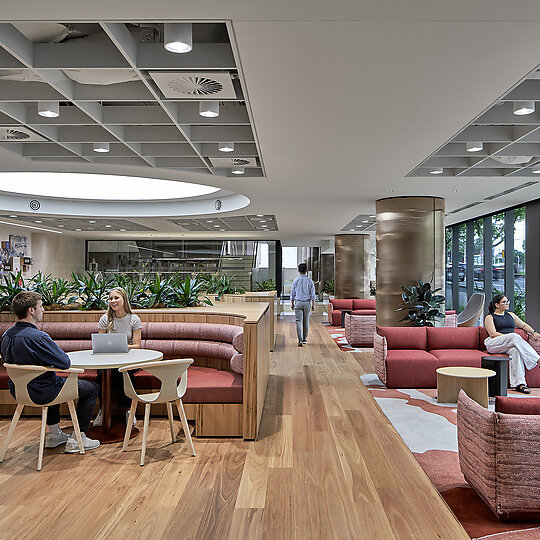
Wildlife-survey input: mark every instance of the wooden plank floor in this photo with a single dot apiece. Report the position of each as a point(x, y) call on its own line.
point(327, 465)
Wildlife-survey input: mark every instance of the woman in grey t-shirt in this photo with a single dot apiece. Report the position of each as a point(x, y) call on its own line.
point(120, 319)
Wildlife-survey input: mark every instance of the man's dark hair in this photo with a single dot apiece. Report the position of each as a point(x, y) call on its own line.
point(23, 301)
point(302, 268)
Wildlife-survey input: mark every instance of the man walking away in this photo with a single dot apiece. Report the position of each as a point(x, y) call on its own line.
point(302, 300)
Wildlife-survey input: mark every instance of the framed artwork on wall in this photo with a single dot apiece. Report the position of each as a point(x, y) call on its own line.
point(18, 245)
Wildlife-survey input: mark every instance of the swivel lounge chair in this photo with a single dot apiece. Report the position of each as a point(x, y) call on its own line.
point(168, 372)
point(474, 308)
point(21, 375)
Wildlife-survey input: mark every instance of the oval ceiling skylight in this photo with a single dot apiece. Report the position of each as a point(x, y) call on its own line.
point(104, 187)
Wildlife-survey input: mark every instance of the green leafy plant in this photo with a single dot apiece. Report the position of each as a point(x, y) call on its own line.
point(519, 300)
point(11, 285)
point(134, 286)
point(187, 293)
point(422, 304)
point(158, 288)
point(329, 286)
point(52, 291)
point(265, 285)
point(220, 285)
point(92, 290)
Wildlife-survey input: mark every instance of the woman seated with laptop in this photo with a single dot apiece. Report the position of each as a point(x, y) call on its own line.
point(119, 319)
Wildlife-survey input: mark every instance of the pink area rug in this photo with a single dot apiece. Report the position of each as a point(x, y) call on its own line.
point(338, 335)
point(429, 430)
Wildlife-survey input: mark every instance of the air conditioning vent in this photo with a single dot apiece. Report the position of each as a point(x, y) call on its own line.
point(233, 162)
point(506, 192)
point(206, 85)
point(18, 134)
point(472, 205)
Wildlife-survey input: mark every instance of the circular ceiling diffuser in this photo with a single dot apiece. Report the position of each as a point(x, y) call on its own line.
point(238, 161)
point(10, 134)
point(195, 86)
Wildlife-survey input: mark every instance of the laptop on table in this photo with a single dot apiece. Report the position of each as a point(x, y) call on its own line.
point(109, 343)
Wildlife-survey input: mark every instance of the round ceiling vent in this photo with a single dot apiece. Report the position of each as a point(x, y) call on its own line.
point(11, 134)
point(238, 161)
point(195, 86)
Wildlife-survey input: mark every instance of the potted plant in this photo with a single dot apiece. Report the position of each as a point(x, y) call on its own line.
point(264, 285)
point(423, 306)
point(55, 293)
point(187, 293)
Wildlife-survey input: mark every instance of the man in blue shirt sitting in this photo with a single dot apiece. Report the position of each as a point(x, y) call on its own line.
point(25, 344)
point(302, 300)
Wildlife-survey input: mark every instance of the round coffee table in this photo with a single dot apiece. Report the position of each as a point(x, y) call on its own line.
point(473, 381)
point(110, 432)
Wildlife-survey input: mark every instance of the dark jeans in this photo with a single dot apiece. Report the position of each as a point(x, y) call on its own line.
point(88, 393)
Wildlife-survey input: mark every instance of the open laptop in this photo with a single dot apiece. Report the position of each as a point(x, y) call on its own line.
point(109, 343)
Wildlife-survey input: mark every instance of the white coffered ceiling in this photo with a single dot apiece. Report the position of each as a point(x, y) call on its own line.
point(344, 100)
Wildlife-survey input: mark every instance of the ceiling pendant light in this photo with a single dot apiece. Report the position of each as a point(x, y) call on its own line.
point(523, 107)
point(226, 147)
point(475, 146)
point(101, 147)
point(237, 170)
point(177, 37)
point(49, 109)
point(436, 170)
point(209, 109)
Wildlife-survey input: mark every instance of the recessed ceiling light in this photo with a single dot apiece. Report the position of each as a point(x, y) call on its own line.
point(372, 215)
point(60, 225)
point(78, 230)
point(365, 221)
point(13, 216)
point(226, 147)
point(49, 109)
point(535, 170)
point(216, 226)
point(352, 230)
point(108, 226)
point(475, 146)
point(263, 220)
point(260, 215)
point(101, 147)
point(359, 225)
point(209, 221)
point(237, 170)
point(264, 226)
point(522, 108)
point(91, 221)
point(38, 221)
point(209, 109)
point(178, 37)
point(436, 170)
point(122, 230)
point(221, 229)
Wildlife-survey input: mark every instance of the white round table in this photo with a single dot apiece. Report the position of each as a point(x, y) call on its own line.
point(110, 432)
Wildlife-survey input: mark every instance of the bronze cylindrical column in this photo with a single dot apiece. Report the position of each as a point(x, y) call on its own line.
point(410, 247)
point(351, 266)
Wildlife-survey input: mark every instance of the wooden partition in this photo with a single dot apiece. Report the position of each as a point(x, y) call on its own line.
point(211, 419)
point(263, 296)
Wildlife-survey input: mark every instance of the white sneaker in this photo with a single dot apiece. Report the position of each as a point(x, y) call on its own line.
point(98, 420)
point(127, 418)
point(72, 446)
point(52, 440)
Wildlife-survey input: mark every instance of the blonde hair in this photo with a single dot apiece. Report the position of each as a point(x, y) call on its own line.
point(110, 310)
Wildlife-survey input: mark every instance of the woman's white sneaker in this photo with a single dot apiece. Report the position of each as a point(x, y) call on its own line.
point(98, 420)
point(72, 446)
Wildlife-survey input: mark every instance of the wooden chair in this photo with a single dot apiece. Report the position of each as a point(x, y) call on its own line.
point(168, 372)
point(21, 375)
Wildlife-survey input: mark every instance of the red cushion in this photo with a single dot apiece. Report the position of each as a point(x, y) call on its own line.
point(522, 333)
point(410, 369)
point(363, 303)
point(483, 334)
point(452, 338)
point(364, 312)
point(336, 318)
point(205, 385)
point(450, 312)
point(532, 376)
point(88, 375)
point(404, 337)
point(3, 378)
point(513, 405)
point(458, 357)
point(341, 303)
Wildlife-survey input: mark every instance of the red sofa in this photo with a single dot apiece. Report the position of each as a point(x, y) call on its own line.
point(358, 306)
point(407, 357)
point(214, 378)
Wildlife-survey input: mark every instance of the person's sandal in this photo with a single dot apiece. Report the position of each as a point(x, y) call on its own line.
point(523, 389)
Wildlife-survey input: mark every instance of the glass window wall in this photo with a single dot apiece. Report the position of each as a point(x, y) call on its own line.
point(519, 262)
